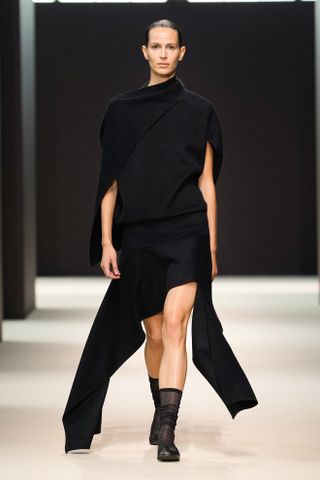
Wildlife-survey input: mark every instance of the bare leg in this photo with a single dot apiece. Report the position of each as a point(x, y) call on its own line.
point(177, 308)
point(153, 354)
point(173, 368)
point(154, 346)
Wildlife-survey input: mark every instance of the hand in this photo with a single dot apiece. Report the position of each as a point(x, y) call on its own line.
point(109, 257)
point(214, 271)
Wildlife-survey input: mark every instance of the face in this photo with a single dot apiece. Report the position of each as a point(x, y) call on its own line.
point(163, 52)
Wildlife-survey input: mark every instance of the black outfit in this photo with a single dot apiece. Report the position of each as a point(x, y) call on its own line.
point(153, 142)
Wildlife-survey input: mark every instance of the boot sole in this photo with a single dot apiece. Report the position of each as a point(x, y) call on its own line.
point(79, 450)
point(168, 458)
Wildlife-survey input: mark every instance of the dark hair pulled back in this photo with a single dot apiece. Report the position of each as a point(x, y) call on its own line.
point(165, 23)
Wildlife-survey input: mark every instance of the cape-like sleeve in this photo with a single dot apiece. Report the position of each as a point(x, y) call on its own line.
point(214, 136)
point(109, 167)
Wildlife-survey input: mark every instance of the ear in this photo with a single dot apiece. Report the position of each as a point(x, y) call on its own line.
point(182, 53)
point(144, 51)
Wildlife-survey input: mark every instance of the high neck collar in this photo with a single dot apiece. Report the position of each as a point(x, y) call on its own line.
point(158, 86)
point(168, 90)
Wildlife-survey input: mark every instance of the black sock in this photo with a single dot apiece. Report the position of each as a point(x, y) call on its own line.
point(154, 386)
point(170, 398)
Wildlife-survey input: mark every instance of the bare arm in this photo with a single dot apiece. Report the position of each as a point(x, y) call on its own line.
point(207, 187)
point(109, 254)
point(107, 209)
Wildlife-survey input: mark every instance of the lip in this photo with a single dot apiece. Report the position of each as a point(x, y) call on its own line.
point(163, 64)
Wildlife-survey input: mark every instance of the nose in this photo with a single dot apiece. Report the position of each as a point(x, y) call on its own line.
point(163, 53)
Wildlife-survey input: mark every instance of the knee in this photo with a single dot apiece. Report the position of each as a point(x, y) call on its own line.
point(174, 326)
point(154, 337)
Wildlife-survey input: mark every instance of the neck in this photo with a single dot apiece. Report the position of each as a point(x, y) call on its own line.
point(155, 78)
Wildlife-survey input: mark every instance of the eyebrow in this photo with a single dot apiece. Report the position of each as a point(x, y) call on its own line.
point(157, 43)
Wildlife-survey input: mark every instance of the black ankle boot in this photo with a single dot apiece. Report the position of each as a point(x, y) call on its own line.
point(155, 425)
point(170, 401)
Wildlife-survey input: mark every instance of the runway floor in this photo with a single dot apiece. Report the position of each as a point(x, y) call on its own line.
point(272, 325)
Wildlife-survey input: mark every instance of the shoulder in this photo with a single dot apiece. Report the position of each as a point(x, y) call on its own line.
point(199, 102)
point(112, 102)
point(111, 113)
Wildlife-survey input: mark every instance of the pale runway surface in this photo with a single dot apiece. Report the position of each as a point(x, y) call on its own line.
point(273, 327)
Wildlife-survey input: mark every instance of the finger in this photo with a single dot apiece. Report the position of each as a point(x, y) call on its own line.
point(115, 269)
point(111, 272)
point(103, 268)
point(106, 270)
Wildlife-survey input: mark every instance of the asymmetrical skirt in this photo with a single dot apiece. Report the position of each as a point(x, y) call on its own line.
point(154, 257)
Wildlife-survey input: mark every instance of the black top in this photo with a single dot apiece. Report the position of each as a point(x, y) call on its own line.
point(153, 142)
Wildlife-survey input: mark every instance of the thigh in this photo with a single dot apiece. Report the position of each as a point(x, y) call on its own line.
point(179, 301)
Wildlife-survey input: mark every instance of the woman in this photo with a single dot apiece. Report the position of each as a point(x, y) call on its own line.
point(154, 233)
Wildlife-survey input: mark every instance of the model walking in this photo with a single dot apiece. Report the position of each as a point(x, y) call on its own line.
point(154, 233)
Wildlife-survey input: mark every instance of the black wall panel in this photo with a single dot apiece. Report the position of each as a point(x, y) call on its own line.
point(254, 61)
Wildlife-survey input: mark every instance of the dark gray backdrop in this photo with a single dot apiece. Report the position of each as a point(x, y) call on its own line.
point(255, 62)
